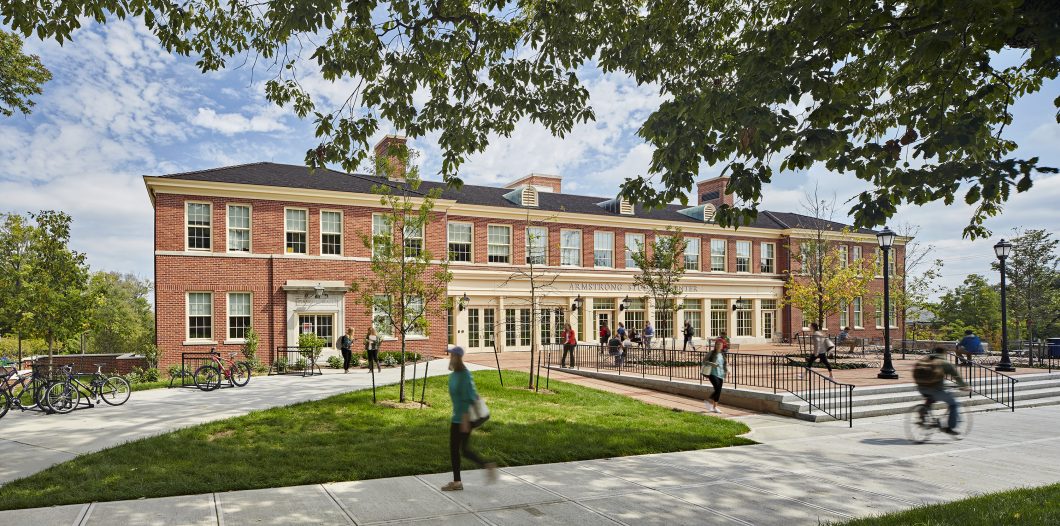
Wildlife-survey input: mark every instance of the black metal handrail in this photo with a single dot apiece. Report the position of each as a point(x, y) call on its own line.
point(294, 360)
point(776, 372)
point(987, 382)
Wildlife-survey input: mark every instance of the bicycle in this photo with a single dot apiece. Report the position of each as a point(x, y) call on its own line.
point(23, 392)
point(923, 420)
point(209, 376)
point(64, 395)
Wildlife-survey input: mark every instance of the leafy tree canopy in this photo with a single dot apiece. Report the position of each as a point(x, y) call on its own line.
point(912, 96)
point(21, 75)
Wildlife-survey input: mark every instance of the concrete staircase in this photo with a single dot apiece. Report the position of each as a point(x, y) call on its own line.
point(1032, 390)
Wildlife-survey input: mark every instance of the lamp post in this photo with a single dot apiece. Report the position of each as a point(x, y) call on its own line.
point(885, 238)
point(1002, 249)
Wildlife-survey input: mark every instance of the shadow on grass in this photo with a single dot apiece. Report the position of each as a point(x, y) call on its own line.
point(346, 437)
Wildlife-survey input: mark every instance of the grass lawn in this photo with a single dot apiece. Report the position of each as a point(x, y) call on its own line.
point(1021, 506)
point(346, 437)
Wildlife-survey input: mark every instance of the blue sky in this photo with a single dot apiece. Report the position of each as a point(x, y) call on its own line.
point(120, 107)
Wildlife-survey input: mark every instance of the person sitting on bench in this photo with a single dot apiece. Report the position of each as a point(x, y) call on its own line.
point(969, 345)
point(843, 339)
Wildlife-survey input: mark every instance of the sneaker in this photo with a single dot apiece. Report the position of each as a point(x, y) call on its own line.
point(951, 431)
point(491, 473)
point(715, 410)
point(455, 485)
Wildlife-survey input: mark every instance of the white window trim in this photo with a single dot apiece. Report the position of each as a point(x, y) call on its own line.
point(699, 254)
point(188, 340)
point(186, 246)
point(511, 244)
point(228, 315)
point(422, 237)
point(250, 230)
point(724, 256)
point(625, 249)
point(844, 252)
point(612, 232)
point(372, 232)
point(285, 231)
point(581, 248)
point(750, 256)
point(468, 223)
point(526, 247)
point(761, 251)
point(342, 232)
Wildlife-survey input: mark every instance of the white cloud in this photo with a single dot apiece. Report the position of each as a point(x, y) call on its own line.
point(233, 123)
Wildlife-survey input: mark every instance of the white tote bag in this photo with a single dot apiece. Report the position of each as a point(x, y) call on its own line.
point(479, 413)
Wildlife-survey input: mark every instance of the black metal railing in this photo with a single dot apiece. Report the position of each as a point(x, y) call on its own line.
point(775, 372)
point(294, 360)
point(189, 363)
point(987, 382)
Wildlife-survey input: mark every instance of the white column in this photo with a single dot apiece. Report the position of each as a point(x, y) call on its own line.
point(589, 331)
point(502, 325)
point(756, 317)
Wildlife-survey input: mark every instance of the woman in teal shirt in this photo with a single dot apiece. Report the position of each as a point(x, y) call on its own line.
point(462, 393)
point(714, 370)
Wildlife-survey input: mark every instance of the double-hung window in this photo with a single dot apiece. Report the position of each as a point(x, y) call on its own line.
point(603, 249)
point(844, 257)
point(857, 312)
point(460, 236)
point(412, 239)
point(691, 253)
point(499, 244)
point(743, 256)
point(570, 248)
point(844, 314)
point(855, 253)
point(381, 306)
point(382, 233)
point(768, 258)
point(296, 230)
point(238, 228)
point(536, 245)
point(331, 233)
point(200, 316)
point(634, 243)
point(198, 217)
point(717, 255)
point(239, 308)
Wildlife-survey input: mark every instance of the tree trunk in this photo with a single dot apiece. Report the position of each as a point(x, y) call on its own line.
point(401, 390)
point(19, 349)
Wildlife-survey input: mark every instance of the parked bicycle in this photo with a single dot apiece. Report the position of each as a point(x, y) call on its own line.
point(20, 391)
point(923, 420)
point(64, 395)
point(209, 376)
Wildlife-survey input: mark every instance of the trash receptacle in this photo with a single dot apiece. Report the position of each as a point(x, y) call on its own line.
point(1054, 347)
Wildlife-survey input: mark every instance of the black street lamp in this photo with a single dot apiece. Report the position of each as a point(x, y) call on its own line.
point(886, 239)
point(1002, 249)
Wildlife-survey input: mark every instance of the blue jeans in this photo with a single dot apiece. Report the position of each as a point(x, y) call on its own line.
point(940, 394)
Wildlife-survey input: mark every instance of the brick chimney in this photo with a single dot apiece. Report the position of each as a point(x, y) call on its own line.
point(713, 191)
point(390, 148)
point(543, 182)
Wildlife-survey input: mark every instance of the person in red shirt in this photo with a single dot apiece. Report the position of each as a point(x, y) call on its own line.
point(569, 341)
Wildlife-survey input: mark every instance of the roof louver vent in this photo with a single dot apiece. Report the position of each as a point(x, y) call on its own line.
point(625, 207)
point(523, 196)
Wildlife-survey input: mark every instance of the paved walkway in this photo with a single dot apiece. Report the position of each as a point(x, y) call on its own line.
point(801, 473)
point(32, 441)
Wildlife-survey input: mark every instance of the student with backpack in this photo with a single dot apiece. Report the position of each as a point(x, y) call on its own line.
point(688, 332)
point(929, 374)
point(821, 346)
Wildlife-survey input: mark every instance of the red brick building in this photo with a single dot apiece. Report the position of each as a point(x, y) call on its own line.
point(276, 247)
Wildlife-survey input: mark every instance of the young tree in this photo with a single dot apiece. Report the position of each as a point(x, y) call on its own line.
point(912, 97)
point(1031, 274)
point(16, 237)
point(661, 271)
point(405, 284)
point(59, 278)
point(21, 76)
point(534, 275)
point(834, 285)
point(120, 319)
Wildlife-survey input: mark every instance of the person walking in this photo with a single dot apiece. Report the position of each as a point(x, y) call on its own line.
point(647, 334)
point(688, 332)
point(621, 330)
point(605, 335)
point(462, 393)
point(714, 370)
point(371, 348)
point(570, 341)
point(346, 347)
point(821, 345)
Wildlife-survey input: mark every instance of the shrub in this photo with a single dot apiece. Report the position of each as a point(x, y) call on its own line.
point(250, 346)
point(334, 362)
point(280, 365)
point(355, 361)
point(388, 360)
point(175, 370)
point(142, 376)
point(301, 364)
point(310, 344)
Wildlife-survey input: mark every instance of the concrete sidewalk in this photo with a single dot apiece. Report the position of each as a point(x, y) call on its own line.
point(801, 473)
point(32, 441)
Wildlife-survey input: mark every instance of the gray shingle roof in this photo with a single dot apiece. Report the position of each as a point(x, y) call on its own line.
point(292, 176)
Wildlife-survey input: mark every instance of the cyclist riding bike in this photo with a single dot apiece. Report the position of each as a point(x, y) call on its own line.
point(929, 375)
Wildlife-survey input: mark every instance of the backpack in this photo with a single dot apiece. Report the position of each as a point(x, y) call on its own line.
point(928, 372)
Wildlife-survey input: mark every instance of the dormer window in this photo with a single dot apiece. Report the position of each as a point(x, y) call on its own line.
point(704, 213)
point(523, 196)
point(618, 205)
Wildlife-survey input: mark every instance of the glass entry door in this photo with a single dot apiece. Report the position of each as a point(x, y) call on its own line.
point(768, 323)
point(603, 318)
point(320, 324)
point(551, 328)
point(481, 328)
